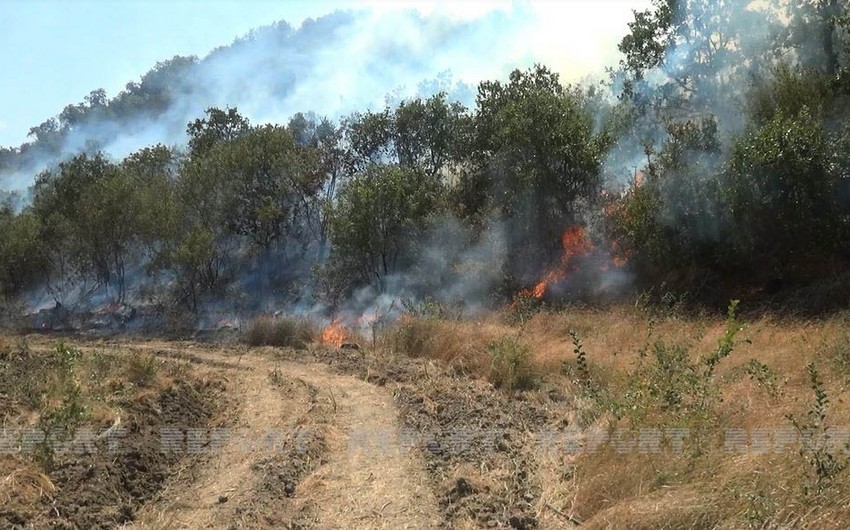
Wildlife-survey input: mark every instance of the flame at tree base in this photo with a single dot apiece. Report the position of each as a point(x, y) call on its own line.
point(575, 243)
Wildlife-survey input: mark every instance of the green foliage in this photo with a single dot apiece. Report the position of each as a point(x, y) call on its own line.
point(421, 134)
point(669, 386)
point(826, 460)
point(581, 358)
point(22, 255)
point(511, 367)
point(376, 221)
point(764, 375)
point(783, 192)
point(536, 137)
point(66, 357)
point(63, 410)
point(142, 368)
point(727, 342)
point(90, 219)
point(220, 126)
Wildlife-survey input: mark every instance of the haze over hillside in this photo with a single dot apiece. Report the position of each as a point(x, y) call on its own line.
point(332, 64)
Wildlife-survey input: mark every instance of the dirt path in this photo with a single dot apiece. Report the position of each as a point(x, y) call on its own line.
point(354, 486)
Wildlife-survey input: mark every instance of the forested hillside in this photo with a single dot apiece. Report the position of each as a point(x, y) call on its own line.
point(714, 160)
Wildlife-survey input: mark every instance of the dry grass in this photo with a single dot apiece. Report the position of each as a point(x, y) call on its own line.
point(24, 483)
point(281, 332)
point(460, 344)
point(761, 385)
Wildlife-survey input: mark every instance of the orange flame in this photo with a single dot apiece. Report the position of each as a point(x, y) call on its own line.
point(576, 243)
point(334, 333)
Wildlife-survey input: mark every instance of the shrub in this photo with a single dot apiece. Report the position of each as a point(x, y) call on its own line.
point(282, 332)
point(819, 447)
point(142, 369)
point(510, 366)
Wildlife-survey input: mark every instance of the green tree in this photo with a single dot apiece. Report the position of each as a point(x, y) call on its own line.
point(89, 214)
point(783, 188)
point(376, 220)
point(22, 259)
point(218, 126)
point(535, 144)
point(818, 30)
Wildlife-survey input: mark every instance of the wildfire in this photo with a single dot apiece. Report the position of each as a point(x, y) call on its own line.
point(334, 333)
point(575, 243)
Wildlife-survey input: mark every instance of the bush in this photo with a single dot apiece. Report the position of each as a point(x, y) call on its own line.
point(142, 369)
point(283, 332)
point(510, 366)
point(460, 344)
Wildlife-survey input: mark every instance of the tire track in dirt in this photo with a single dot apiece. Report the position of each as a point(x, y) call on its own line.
point(354, 487)
point(365, 485)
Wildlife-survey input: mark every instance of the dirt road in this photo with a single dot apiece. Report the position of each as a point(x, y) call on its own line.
point(319, 470)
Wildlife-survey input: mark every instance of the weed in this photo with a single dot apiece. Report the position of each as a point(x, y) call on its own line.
point(673, 388)
point(59, 423)
point(760, 509)
point(726, 343)
point(510, 366)
point(816, 447)
point(66, 357)
point(100, 365)
point(142, 369)
point(413, 337)
point(581, 357)
point(764, 376)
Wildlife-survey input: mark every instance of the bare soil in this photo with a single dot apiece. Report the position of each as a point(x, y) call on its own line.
point(316, 438)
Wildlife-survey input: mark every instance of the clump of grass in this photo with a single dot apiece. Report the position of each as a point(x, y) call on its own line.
point(281, 331)
point(142, 369)
point(462, 345)
point(511, 368)
point(414, 337)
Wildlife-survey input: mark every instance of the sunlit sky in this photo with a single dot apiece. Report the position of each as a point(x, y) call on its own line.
point(57, 51)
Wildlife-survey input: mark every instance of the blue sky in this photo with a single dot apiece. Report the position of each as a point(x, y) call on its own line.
point(56, 51)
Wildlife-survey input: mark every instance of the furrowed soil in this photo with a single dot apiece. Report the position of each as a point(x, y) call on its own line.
point(315, 438)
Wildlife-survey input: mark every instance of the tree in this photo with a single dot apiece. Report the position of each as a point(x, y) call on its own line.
point(219, 126)
point(22, 259)
point(818, 31)
point(376, 220)
point(783, 189)
point(89, 214)
point(686, 57)
point(418, 133)
point(534, 142)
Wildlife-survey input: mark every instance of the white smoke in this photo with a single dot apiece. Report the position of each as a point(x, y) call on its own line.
point(347, 61)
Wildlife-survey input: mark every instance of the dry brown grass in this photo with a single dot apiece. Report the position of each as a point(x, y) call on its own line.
point(280, 331)
point(22, 482)
point(460, 344)
point(760, 385)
